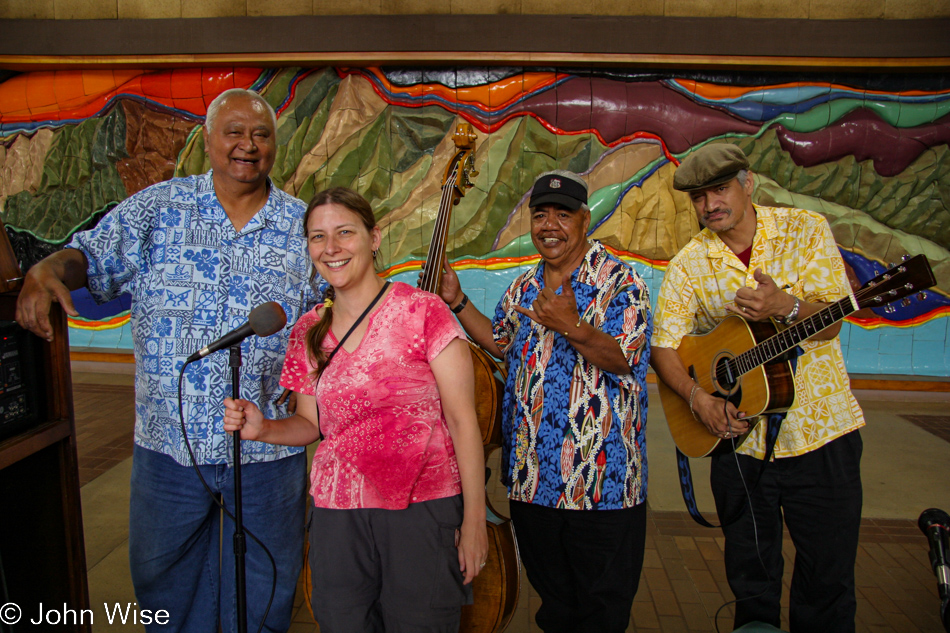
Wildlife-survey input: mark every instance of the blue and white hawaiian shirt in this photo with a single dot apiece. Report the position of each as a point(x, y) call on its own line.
point(574, 434)
point(193, 278)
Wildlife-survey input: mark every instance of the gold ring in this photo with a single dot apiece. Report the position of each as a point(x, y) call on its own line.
point(482, 565)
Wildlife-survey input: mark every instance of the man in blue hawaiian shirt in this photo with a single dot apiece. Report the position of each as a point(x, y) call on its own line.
point(574, 332)
point(197, 255)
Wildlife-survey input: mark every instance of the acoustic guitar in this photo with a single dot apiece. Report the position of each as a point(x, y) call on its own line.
point(497, 586)
point(745, 362)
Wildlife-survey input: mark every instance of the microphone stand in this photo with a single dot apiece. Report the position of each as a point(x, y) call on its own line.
point(240, 544)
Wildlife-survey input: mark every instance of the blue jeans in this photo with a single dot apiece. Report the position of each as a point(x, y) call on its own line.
point(174, 543)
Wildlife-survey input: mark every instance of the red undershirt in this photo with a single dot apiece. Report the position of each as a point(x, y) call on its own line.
point(745, 256)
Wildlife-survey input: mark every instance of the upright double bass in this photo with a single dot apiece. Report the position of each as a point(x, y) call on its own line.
point(497, 586)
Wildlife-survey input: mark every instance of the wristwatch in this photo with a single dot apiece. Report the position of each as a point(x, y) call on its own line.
point(793, 315)
point(464, 302)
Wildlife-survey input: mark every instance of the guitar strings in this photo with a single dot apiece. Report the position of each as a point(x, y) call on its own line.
point(733, 368)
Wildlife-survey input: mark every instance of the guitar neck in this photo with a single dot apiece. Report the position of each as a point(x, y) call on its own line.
point(780, 343)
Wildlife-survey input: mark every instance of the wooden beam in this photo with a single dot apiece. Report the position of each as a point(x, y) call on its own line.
point(734, 43)
point(25, 63)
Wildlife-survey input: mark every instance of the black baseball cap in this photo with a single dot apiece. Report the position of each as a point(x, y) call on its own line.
point(559, 187)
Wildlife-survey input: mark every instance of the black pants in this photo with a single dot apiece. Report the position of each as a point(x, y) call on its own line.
point(380, 570)
point(584, 564)
point(819, 494)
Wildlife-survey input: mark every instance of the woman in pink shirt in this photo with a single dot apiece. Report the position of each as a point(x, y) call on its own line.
point(397, 531)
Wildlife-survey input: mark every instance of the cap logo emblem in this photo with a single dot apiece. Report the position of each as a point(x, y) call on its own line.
point(555, 183)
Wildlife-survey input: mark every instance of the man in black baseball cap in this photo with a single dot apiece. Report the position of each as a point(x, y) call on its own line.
point(573, 330)
point(559, 221)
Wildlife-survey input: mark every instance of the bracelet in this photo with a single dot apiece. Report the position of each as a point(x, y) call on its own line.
point(461, 305)
point(578, 324)
point(692, 394)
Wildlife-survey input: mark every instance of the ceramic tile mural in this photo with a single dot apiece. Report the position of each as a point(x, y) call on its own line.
point(869, 152)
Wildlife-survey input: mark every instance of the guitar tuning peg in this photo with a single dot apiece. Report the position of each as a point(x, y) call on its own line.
point(891, 265)
point(905, 258)
point(905, 301)
point(921, 295)
point(890, 309)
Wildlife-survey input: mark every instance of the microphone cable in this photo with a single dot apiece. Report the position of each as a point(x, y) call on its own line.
point(755, 531)
point(220, 502)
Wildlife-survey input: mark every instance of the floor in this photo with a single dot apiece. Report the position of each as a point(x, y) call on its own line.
point(683, 586)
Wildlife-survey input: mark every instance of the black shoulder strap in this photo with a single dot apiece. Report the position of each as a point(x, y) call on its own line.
point(686, 476)
point(771, 435)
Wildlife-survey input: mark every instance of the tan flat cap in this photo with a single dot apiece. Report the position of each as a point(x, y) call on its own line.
point(709, 166)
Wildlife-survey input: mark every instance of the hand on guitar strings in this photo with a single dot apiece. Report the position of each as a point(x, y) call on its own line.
point(763, 302)
point(719, 416)
point(557, 312)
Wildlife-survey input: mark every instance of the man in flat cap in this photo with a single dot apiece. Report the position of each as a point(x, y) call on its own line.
point(574, 331)
point(766, 263)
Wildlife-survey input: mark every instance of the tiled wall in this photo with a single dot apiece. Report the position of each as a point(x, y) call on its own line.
point(95, 137)
point(797, 9)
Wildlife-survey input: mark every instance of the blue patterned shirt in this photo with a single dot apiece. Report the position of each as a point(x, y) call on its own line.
point(574, 434)
point(193, 278)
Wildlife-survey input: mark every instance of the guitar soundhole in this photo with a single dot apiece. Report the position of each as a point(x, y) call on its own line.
point(724, 378)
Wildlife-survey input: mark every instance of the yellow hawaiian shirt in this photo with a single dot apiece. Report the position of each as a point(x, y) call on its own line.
point(796, 248)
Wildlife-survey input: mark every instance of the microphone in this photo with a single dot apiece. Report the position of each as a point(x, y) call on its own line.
point(934, 524)
point(264, 320)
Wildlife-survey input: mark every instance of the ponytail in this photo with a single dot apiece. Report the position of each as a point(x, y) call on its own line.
point(318, 332)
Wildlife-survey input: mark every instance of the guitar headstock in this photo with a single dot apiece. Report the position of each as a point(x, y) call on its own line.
point(461, 169)
point(911, 276)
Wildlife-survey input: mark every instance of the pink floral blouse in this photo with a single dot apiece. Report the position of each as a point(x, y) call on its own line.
point(386, 443)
